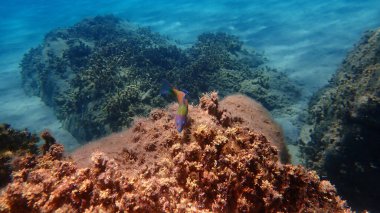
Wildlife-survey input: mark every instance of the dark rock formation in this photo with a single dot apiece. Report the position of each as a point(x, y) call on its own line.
point(344, 127)
point(101, 73)
point(214, 165)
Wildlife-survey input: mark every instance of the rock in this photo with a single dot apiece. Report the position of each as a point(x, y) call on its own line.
point(102, 72)
point(344, 126)
point(211, 166)
point(13, 145)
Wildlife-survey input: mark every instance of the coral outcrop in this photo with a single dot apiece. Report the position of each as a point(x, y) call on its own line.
point(344, 126)
point(13, 144)
point(102, 72)
point(254, 116)
point(214, 165)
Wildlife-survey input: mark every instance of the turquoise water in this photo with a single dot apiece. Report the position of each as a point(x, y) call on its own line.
point(305, 39)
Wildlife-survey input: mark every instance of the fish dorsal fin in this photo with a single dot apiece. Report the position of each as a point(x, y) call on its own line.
point(185, 91)
point(186, 94)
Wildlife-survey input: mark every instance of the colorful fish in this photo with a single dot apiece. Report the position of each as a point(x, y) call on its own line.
point(181, 116)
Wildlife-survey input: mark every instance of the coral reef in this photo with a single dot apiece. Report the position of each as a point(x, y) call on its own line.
point(214, 165)
point(102, 72)
point(343, 130)
point(13, 144)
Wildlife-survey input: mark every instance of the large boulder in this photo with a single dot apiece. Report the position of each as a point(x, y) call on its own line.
point(217, 164)
point(102, 72)
point(342, 138)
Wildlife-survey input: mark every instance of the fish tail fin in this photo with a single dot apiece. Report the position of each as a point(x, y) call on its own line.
point(166, 88)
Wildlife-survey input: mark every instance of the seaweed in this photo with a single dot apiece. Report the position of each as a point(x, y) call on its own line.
point(344, 125)
point(14, 144)
point(224, 166)
point(102, 72)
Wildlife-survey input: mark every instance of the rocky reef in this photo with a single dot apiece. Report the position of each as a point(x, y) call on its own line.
point(217, 164)
point(102, 72)
point(14, 144)
point(254, 116)
point(341, 139)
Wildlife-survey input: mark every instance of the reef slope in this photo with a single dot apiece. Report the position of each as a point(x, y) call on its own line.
point(215, 165)
point(102, 72)
point(343, 130)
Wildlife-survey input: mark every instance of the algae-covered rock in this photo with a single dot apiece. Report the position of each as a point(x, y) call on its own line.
point(344, 126)
point(102, 72)
point(217, 164)
point(13, 144)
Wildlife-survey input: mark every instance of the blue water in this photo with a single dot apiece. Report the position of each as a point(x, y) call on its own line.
point(306, 39)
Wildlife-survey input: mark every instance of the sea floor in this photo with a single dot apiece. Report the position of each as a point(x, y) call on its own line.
point(305, 39)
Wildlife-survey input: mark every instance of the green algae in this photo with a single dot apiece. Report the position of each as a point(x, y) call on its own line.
point(102, 72)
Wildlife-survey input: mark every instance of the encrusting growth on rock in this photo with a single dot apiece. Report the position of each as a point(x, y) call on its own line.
point(341, 137)
point(13, 144)
point(49, 141)
point(253, 115)
point(101, 72)
point(214, 165)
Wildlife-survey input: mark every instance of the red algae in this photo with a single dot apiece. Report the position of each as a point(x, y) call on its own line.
point(254, 116)
point(217, 164)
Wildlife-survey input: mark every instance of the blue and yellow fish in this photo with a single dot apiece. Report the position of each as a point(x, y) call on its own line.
point(181, 116)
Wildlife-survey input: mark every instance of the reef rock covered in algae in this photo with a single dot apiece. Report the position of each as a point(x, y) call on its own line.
point(102, 72)
point(13, 144)
point(344, 126)
point(215, 165)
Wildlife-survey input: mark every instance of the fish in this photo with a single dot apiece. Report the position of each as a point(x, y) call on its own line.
point(182, 99)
